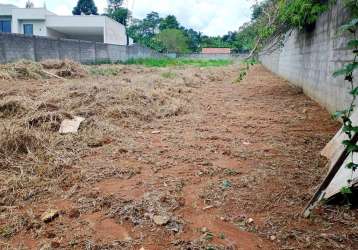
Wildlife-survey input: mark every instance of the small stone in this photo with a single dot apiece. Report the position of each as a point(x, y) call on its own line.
point(204, 230)
point(272, 237)
point(160, 220)
point(49, 215)
point(155, 132)
point(250, 220)
point(142, 248)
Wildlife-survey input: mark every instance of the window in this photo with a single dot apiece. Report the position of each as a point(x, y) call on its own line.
point(5, 26)
point(28, 29)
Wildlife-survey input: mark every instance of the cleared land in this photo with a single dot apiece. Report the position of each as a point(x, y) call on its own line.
point(167, 158)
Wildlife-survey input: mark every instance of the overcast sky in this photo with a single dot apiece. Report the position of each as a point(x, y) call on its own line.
point(212, 17)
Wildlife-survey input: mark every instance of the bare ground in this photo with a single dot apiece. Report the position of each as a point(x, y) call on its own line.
point(181, 158)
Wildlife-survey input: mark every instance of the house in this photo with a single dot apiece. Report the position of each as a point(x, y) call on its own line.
point(41, 22)
point(216, 51)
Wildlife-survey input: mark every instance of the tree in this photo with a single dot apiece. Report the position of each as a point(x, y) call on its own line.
point(194, 39)
point(115, 4)
point(29, 4)
point(170, 22)
point(117, 12)
point(173, 40)
point(245, 38)
point(120, 15)
point(256, 11)
point(151, 23)
point(85, 7)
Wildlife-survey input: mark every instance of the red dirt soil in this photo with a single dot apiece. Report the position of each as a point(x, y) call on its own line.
point(233, 173)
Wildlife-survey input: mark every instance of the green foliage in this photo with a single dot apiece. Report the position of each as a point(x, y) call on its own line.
point(273, 18)
point(173, 40)
point(170, 22)
point(300, 13)
point(257, 11)
point(145, 32)
point(85, 7)
point(170, 62)
point(119, 14)
point(245, 38)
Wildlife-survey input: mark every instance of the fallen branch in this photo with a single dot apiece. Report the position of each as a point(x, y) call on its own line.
point(53, 75)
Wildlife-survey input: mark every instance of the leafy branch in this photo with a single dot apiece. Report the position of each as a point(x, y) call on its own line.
point(349, 128)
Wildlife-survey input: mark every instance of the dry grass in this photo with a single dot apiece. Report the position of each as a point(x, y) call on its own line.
point(33, 154)
point(26, 70)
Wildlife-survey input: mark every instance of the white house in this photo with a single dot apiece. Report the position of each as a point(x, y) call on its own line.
point(41, 22)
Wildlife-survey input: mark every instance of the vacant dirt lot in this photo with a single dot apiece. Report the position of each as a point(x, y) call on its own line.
point(173, 158)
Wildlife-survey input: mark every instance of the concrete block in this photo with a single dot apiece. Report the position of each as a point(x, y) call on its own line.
point(69, 49)
point(101, 52)
point(46, 48)
point(17, 47)
point(87, 52)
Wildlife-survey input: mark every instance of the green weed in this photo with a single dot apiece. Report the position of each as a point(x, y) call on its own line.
point(171, 62)
point(104, 71)
point(169, 75)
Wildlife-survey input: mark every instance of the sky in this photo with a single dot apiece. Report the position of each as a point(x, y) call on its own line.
point(211, 17)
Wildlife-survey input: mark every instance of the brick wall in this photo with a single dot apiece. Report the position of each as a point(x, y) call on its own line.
point(308, 59)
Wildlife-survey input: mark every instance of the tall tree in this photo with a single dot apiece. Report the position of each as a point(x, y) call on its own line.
point(194, 39)
point(85, 7)
point(150, 23)
point(120, 15)
point(170, 22)
point(173, 40)
point(115, 3)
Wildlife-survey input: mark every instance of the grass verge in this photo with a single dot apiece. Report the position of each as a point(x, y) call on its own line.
point(167, 62)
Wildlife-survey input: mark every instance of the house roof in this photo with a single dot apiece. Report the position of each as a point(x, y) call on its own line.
point(8, 5)
point(216, 51)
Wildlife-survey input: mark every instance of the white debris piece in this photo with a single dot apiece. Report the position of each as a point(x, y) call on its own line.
point(71, 126)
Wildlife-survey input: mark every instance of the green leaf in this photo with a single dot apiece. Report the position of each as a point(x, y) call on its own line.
point(351, 147)
point(340, 114)
point(354, 91)
point(347, 128)
point(346, 190)
point(353, 44)
point(355, 129)
point(351, 26)
point(352, 166)
point(340, 72)
point(346, 70)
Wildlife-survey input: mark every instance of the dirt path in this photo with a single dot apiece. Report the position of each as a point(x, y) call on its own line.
point(233, 172)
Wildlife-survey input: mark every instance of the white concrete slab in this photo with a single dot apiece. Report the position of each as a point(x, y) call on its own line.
point(71, 126)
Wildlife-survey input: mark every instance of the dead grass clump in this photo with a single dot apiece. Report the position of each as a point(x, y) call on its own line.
point(10, 108)
point(53, 64)
point(69, 69)
point(48, 120)
point(148, 104)
point(23, 69)
point(18, 141)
